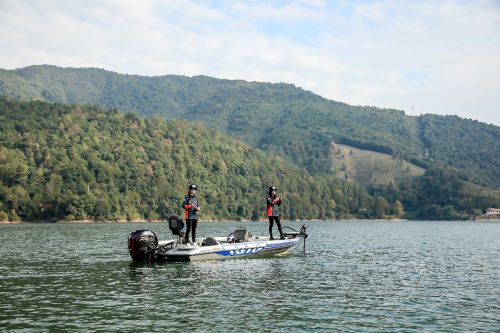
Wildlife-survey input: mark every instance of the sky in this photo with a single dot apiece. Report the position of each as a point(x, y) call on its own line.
point(429, 56)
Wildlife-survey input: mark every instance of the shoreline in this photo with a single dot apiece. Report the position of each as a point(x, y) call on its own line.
point(228, 221)
point(201, 221)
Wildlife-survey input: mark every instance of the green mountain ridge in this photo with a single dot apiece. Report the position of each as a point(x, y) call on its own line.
point(278, 118)
point(62, 161)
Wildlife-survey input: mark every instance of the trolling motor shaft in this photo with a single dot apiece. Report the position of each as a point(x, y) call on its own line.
point(294, 233)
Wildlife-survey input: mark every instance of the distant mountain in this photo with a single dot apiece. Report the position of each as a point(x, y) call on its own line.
point(278, 118)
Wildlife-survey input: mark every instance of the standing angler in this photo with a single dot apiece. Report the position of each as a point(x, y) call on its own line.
point(272, 212)
point(192, 208)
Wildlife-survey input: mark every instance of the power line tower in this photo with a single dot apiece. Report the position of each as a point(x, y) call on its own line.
point(412, 111)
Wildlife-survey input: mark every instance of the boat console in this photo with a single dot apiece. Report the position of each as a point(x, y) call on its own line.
point(241, 235)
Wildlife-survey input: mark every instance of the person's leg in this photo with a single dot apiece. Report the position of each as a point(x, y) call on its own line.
point(195, 224)
point(278, 223)
point(188, 229)
point(271, 222)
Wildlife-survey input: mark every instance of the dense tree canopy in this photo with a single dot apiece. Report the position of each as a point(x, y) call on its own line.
point(278, 118)
point(437, 195)
point(61, 161)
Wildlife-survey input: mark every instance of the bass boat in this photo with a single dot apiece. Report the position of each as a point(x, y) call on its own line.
point(143, 244)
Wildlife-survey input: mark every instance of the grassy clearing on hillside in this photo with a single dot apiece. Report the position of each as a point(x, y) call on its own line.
point(365, 167)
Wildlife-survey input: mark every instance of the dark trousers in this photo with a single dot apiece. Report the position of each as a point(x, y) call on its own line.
point(191, 224)
point(278, 223)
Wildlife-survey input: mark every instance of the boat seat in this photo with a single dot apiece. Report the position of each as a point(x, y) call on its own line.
point(176, 225)
point(210, 241)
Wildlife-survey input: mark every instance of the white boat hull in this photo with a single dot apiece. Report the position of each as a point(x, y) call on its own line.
point(143, 245)
point(254, 248)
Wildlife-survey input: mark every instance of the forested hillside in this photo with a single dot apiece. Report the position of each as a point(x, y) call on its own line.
point(61, 161)
point(438, 195)
point(278, 118)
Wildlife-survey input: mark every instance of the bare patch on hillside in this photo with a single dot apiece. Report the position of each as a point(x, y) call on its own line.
point(365, 167)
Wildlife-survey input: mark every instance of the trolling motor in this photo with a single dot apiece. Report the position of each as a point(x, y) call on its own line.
point(142, 244)
point(294, 233)
point(303, 232)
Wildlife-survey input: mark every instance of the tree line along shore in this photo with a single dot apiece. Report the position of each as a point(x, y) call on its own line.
point(85, 162)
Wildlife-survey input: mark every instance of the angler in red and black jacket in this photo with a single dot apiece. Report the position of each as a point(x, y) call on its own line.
point(192, 208)
point(272, 212)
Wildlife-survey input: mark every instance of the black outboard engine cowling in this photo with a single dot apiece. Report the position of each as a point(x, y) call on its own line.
point(142, 244)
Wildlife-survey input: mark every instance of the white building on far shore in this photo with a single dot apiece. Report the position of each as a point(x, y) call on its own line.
point(492, 211)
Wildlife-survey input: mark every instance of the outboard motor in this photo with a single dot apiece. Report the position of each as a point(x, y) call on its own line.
point(142, 244)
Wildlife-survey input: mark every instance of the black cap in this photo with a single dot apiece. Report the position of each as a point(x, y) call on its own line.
point(192, 187)
point(271, 189)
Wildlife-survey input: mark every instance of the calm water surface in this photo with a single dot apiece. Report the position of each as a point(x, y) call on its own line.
point(354, 277)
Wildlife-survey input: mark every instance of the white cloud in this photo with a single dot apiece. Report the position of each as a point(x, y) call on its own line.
point(440, 56)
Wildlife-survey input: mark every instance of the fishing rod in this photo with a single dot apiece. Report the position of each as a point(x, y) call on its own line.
point(228, 182)
point(215, 189)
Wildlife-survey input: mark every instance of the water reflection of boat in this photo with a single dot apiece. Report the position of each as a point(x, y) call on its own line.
point(143, 244)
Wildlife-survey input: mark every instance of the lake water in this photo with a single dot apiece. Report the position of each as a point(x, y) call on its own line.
point(354, 277)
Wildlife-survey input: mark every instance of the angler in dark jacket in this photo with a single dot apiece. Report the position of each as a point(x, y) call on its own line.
point(192, 208)
point(272, 212)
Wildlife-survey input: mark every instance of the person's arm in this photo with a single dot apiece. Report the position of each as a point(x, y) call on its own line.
point(186, 204)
